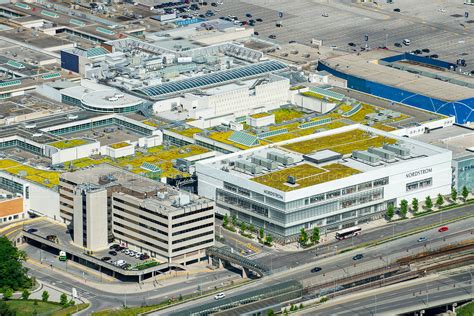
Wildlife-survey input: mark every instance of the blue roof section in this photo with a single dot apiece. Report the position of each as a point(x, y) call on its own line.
point(213, 79)
point(96, 51)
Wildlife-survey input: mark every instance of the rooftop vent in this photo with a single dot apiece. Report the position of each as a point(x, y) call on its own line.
point(291, 180)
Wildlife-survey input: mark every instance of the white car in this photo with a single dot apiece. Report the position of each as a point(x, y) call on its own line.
point(137, 255)
point(131, 253)
point(126, 251)
point(219, 296)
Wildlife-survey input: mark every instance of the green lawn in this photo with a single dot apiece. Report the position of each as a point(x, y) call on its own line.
point(467, 310)
point(26, 308)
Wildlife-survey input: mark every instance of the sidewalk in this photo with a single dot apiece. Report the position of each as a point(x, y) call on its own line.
point(162, 280)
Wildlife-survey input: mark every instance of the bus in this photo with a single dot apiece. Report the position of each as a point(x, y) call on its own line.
point(348, 232)
point(62, 256)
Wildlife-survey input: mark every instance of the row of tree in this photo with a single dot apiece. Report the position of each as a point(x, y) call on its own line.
point(306, 240)
point(404, 208)
point(262, 237)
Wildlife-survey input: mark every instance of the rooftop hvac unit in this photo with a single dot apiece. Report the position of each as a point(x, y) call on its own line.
point(248, 166)
point(291, 180)
point(382, 153)
point(365, 156)
point(281, 158)
point(264, 162)
point(397, 150)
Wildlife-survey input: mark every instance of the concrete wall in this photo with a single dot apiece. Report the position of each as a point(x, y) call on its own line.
point(64, 155)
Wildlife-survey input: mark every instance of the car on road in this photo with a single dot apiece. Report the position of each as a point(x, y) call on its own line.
point(422, 239)
point(325, 15)
point(255, 33)
point(316, 269)
point(396, 10)
point(358, 257)
point(351, 44)
point(434, 56)
point(214, 4)
point(259, 20)
point(219, 296)
point(31, 230)
point(406, 42)
point(397, 45)
point(292, 42)
point(248, 15)
point(443, 229)
point(272, 36)
point(105, 258)
point(425, 50)
point(113, 253)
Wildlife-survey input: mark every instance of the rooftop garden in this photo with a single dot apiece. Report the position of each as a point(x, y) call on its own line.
point(297, 87)
point(44, 177)
point(187, 132)
point(343, 143)
point(119, 145)
point(260, 115)
point(283, 114)
point(158, 156)
point(150, 123)
point(306, 175)
point(68, 143)
point(315, 95)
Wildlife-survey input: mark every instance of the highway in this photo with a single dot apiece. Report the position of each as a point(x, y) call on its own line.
point(401, 298)
point(336, 267)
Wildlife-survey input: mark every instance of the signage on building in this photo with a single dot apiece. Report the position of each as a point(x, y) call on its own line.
point(273, 194)
point(416, 173)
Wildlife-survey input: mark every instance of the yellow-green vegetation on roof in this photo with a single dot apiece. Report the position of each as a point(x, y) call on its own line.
point(306, 175)
point(68, 143)
point(119, 145)
point(294, 131)
point(44, 177)
point(343, 143)
point(155, 155)
point(283, 115)
point(297, 87)
point(383, 127)
point(150, 123)
point(187, 132)
point(223, 138)
point(315, 95)
point(260, 115)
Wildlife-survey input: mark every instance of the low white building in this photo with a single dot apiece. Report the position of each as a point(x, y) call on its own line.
point(333, 179)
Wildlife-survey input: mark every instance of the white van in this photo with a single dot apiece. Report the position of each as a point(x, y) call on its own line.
point(219, 296)
point(406, 42)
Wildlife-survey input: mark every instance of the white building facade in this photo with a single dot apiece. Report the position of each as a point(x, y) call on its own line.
point(331, 205)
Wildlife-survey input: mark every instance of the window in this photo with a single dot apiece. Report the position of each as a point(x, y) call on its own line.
point(349, 190)
point(419, 184)
point(333, 194)
point(380, 182)
point(364, 186)
point(316, 198)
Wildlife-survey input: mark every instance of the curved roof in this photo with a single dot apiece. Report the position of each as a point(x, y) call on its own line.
point(213, 79)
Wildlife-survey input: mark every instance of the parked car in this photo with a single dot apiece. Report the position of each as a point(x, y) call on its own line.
point(31, 230)
point(113, 253)
point(219, 296)
point(273, 36)
point(114, 246)
point(144, 256)
point(126, 251)
point(259, 20)
point(425, 50)
point(358, 257)
point(138, 255)
point(434, 56)
point(248, 15)
point(256, 33)
point(396, 10)
point(316, 269)
point(351, 44)
point(214, 4)
point(443, 229)
point(397, 45)
point(422, 239)
point(105, 258)
point(131, 253)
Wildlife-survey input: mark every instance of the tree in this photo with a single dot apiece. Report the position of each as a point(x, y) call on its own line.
point(269, 240)
point(439, 200)
point(7, 293)
point(303, 237)
point(234, 220)
point(71, 302)
point(243, 227)
point(428, 202)
point(454, 194)
point(12, 273)
point(315, 235)
point(270, 312)
point(5, 310)
point(465, 192)
point(414, 205)
point(25, 294)
point(252, 228)
point(262, 233)
point(45, 296)
point(403, 208)
point(390, 212)
point(225, 221)
point(63, 300)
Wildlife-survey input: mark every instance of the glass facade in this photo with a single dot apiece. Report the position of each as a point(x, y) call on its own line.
point(464, 173)
point(286, 219)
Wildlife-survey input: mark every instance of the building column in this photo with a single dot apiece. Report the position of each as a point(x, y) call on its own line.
point(220, 264)
point(244, 273)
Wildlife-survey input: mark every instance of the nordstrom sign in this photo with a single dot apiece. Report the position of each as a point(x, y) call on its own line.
point(416, 173)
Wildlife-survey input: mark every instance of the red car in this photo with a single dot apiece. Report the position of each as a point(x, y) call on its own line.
point(443, 229)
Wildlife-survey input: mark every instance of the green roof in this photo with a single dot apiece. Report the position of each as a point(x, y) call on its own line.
point(15, 64)
point(150, 167)
point(51, 76)
point(9, 83)
point(243, 138)
point(77, 22)
point(104, 30)
point(50, 14)
point(353, 111)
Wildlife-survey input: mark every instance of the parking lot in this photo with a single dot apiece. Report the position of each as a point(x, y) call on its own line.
point(440, 27)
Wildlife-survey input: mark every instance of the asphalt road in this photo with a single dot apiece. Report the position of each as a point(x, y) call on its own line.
point(401, 298)
point(281, 260)
point(342, 265)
